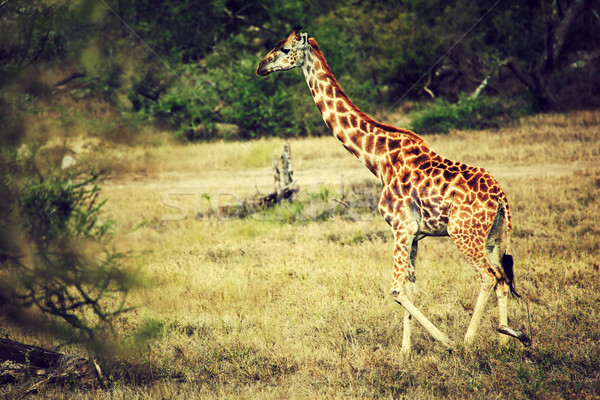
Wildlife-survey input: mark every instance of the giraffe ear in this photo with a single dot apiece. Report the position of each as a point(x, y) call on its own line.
point(303, 41)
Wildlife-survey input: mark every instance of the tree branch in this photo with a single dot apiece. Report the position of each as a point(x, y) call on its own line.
point(68, 79)
point(522, 76)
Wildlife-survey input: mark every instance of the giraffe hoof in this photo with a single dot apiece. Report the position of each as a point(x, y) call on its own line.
point(516, 334)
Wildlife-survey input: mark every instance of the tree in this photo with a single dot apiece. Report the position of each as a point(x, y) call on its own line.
point(560, 21)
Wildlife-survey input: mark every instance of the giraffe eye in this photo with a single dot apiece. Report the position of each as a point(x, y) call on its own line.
point(284, 50)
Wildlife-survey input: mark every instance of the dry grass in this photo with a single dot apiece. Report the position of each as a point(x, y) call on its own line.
point(280, 307)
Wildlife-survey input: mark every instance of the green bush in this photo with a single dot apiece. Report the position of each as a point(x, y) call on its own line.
point(274, 106)
point(469, 113)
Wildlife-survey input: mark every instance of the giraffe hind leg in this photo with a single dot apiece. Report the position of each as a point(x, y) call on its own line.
point(502, 289)
point(503, 328)
point(482, 246)
point(487, 284)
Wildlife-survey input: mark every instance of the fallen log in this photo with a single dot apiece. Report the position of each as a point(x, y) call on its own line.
point(26, 354)
point(60, 364)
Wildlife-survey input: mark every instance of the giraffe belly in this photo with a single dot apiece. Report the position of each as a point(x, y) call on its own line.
point(431, 214)
point(433, 227)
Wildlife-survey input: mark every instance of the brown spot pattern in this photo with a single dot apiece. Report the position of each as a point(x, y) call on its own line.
point(340, 107)
point(344, 121)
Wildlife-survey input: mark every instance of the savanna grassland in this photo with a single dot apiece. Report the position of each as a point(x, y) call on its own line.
point(294, 302)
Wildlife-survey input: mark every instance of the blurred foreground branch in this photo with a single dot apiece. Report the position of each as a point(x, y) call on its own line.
point(59, 274)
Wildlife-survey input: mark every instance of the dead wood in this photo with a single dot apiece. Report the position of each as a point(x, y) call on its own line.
point(20, 359)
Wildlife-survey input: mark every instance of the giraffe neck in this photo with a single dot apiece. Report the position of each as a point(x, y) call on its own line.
point(362, 136)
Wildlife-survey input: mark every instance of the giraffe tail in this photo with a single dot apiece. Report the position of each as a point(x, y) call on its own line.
point(507, 265)
point(507, 261)
point(500, 236)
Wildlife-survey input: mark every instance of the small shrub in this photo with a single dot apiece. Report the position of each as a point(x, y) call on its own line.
point(469, 113)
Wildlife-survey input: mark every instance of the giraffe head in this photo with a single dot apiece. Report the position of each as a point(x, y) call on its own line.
point(286, 54)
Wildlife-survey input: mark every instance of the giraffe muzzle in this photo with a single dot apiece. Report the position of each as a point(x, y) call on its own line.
point(261, 70)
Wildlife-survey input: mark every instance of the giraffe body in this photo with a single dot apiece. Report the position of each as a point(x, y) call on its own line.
point(423, 193)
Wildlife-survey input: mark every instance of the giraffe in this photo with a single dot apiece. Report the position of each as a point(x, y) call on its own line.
point(423, 194)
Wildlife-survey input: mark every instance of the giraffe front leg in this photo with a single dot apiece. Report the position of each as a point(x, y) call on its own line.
point(409, 290)
point(407, 325)
point(402, 299)
point(403, 280)
point(402, 290)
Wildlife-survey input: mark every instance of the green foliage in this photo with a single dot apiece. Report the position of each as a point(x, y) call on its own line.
point(52, 207)
point(383, 43)
point(54, 252)
point(267, 107)
point(189, 66)
point(38, 30)
point(151, 328)
point(182, 31)
point(467, 113)
point(235, 95)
